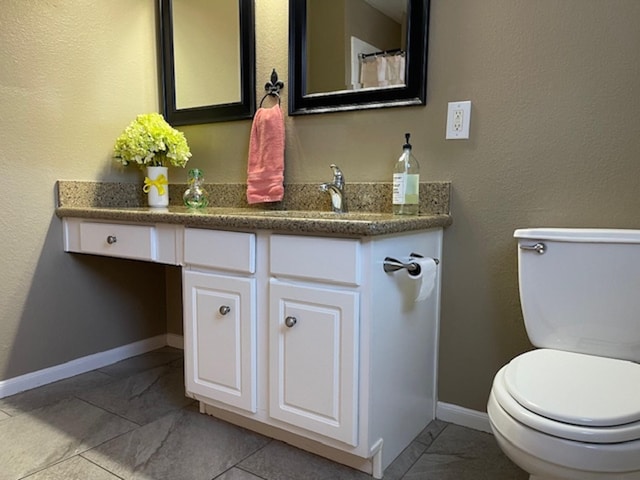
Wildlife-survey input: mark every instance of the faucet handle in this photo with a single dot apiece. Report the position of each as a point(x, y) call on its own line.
point(338, 177)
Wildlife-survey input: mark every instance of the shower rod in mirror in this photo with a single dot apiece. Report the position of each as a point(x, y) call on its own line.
point(325, 70)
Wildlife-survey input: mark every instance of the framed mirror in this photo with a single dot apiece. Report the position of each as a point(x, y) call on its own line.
point(357, 54)
point(207, 60)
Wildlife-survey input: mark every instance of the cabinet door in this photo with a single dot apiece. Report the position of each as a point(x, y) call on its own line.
point(313, 367)
point(220, 338)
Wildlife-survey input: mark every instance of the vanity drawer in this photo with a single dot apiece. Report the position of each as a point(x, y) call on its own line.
point(118, 240)
point(336, 260)
point(233, 251)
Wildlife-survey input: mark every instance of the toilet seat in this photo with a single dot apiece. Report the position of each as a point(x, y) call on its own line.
point(569, 395)
point(576, 388)
point(548, 456)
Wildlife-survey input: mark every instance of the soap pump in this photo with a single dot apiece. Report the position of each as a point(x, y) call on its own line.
point(406, 182)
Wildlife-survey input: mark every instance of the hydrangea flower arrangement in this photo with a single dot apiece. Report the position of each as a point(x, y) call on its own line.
point(149, 141)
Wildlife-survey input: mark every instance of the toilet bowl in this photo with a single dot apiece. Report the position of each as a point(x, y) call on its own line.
point(570, 410)
point(555, 415)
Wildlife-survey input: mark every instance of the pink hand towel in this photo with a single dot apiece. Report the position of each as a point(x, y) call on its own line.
point(265, 171)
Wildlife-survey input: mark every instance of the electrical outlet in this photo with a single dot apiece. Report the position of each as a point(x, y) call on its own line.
point(458, 120)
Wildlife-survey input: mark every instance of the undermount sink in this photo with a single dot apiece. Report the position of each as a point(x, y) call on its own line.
point(322, 215)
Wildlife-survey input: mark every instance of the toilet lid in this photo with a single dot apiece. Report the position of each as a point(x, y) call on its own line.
point(575, 388)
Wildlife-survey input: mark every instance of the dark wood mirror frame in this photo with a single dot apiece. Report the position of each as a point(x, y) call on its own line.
point(413, 93)
point(243, 109)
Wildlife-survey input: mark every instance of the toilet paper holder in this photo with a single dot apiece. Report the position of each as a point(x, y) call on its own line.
point(391, 264)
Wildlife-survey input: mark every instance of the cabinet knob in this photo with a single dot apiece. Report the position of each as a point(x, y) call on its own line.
point(111, 239)
point(224, 309)
point(290, 321)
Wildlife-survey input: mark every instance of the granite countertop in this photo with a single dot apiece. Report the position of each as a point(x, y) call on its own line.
point(302, 211)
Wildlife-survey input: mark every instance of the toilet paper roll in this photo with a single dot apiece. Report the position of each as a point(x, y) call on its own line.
point(426, 277)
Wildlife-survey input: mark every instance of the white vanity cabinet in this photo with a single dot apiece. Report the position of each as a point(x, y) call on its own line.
point(346, 355)
point(303, 338)
point(219, 298)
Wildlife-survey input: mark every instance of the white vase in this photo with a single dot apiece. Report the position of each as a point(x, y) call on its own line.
point(156, 186)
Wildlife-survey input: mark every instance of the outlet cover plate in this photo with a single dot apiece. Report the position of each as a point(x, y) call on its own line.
point(458, 120)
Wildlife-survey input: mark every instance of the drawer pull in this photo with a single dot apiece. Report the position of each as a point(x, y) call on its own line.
point(224, 309)
point(290, 321)
point(111, 239)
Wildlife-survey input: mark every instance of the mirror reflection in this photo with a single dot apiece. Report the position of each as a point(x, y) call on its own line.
point(208, 60)
point(355, 44)
point(206, 42)
point(357, 54)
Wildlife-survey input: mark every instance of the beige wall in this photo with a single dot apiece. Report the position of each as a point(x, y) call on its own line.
point(72, 75)
point(555, 141)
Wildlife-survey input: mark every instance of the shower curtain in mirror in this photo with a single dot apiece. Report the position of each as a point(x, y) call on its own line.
point(382, 70)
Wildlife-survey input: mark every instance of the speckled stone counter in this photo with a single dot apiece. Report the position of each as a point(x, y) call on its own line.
point(303, 210)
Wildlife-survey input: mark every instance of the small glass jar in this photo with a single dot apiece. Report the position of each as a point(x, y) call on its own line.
point(195, 196)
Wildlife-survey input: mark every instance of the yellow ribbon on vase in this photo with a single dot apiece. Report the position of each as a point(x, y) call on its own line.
point(159, 183)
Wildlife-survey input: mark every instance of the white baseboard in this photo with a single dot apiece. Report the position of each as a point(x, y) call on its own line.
point(463, 416)
point(444, 411)
point(176, 341)
point(31, 380)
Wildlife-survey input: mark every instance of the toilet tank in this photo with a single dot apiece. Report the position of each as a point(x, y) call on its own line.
point(583, 293)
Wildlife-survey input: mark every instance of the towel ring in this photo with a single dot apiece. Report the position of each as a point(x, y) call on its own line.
point(270, 94)
point(273, 87)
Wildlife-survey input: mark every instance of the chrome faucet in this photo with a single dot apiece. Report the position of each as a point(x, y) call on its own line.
point(336, 190)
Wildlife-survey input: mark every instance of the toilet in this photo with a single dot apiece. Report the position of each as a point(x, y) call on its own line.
point(570, 409)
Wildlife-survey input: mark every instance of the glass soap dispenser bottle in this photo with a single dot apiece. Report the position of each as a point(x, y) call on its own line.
point(406, 182)
point(195, 196)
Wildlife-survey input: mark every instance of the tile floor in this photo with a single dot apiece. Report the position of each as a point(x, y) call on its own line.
point(131, 420)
